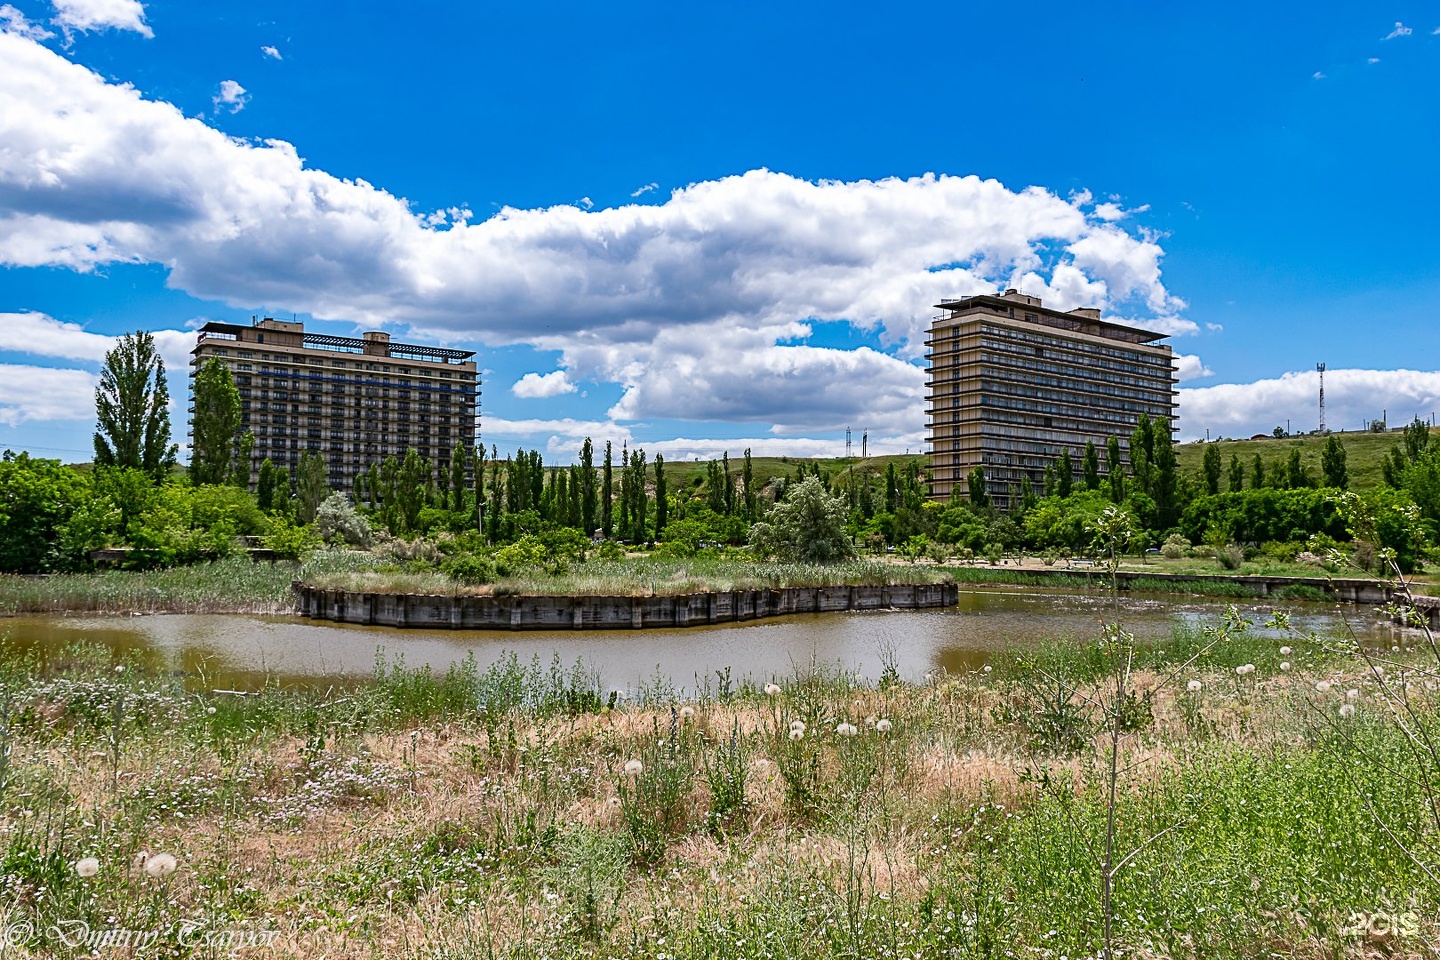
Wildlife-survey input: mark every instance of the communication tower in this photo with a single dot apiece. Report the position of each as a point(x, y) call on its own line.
point(1321, 367)
point(847, 443)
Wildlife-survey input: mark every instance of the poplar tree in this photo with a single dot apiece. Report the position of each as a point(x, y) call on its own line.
point(1257, 473)
point(605, 489)
point(661, 507)
point(587, 488)
point(1064, 474)
point(1211, 469)
point(132, 409)
point(979, 497)
point(457, 477)
point(1237, 474)
point(1090, 466)
point(747, 476)
point(1332, 464)
point(1116, 469)
point(1142, 446)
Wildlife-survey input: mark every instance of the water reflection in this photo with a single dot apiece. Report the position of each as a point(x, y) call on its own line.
point(246, 652)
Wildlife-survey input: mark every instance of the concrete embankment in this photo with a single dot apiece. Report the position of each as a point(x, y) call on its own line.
point(610, 613)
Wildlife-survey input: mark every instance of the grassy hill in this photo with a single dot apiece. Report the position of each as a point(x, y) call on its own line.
point(1364, 453)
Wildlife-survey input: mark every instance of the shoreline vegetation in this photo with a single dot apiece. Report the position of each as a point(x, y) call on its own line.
point(236, 585)
point(520, 810)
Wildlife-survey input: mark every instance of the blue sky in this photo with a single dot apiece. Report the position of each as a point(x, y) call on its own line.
point(704, 228)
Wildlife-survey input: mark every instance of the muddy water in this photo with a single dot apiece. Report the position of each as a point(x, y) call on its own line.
point(245, 652)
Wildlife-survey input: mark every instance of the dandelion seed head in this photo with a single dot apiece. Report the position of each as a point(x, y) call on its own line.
point(161, 865)
point(846, 729)
point(87, 867)
point(1285, 651)
point(1323, 686)
point(1347, 709)
point(797, 734)
point(1284, 666)
point(687, 712)
point(772, 690)
point(210, 711)
point(1352, 694)
point(883, 725)
point(1194, 686)
point(633, 768)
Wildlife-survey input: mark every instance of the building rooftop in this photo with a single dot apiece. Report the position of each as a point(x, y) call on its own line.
point(1029, 309)
point(371, 344)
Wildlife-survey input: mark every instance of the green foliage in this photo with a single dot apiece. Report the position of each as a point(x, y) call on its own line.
point(291, 541)
point(1212, 469)
point(469, 569)
point(132, 409)
point(1257, 516)
point(215, 423)
point(37, 500)
point(1332, 464)
point(312, 486)
point(979, 496)
point(337, 523)
point(808, 526)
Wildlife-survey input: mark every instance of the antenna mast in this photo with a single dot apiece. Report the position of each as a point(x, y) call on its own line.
point(1321, 368)
point(847, 443)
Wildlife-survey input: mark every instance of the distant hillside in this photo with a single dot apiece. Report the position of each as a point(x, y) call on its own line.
point(1363, 454)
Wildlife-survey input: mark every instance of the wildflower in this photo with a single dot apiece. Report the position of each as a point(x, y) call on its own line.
point(797, 734)
point(1323, 686)
point(210, 711)
point(686, 713)
point(633, 768)
point(1285, 651)
point(1347, 709)
point(1245, 669)
point(847, 729)
point(797, 725)
point(119, 668)
point(1194, 686)
point(161, 865)
point(772, 690)
point(986, 669)
point(1284, 666)
point(87, 867)
point(1352, 694)
point(883, 725)
point(871, 720)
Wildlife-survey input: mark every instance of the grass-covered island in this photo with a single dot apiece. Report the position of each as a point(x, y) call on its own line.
point(1219, 794)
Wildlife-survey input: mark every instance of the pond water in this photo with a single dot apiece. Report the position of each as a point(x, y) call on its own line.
point(245, 652)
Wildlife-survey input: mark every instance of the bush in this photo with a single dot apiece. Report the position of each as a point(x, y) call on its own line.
point(1174, 547)
point(337, 522)
point(468, 569)
point(1230, 557)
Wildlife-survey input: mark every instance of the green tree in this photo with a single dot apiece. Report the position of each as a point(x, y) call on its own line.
point(312, 486)
point(1417, 439)
point(979, 497)
point(588, 499)
point(1166, 490)
point(215, 425)
point(1142, 456)
point(1064, 474)
point(1237, 473)
point(1296, 476)
point(1211, 468)
point(240, 472)
point(459, 458)
point(132, 409)
point(265, 486)
point(411, 479)
point(662, 508)
point(1115, 470)
point(808, 526)
point(1257, 473)
point(606, 488)
point(1090, 466)
point(1332, 464)
point(37, 498)
point(747, 478)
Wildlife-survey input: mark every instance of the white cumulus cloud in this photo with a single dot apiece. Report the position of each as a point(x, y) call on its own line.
point(693, 305)
point(645, 189)
point(88, 15)
point(272, 52)
point(534, 385)
point(231, 95)
point(1352, 399)
point(45, 393)
point(1190, 367)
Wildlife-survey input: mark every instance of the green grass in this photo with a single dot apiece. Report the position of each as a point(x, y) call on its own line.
point(1364, 453)
point(489, 812)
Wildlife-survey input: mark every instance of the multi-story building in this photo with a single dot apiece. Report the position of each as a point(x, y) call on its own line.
point(353, 400)
point(1014, 383)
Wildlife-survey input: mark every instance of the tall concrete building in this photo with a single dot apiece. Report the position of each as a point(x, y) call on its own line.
point(354, 400)
point(1013, 383)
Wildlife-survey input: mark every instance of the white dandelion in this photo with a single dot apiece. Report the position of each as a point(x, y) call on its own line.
point(797, 734)
point(1285, 651)
point(797, 725)
point(772, 690)
point(1352, 694)
point(1194, 686)
point(687, 713)
point(87, 867)
point(1284, 666)
point(1347, 709)
point(161, 865)
point(1245, 669)
point(847, 729)
point(883, 725)
point(986, 669)
point(633, 768)
point(1323, 686)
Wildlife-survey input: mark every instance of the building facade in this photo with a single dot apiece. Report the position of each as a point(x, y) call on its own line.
point(1014, 383)
point(354, 400)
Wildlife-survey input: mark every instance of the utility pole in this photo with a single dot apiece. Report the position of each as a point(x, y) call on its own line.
point(1321, 368)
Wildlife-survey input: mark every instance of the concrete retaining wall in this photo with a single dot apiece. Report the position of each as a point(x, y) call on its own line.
point(1347, 589)
point(608, 613)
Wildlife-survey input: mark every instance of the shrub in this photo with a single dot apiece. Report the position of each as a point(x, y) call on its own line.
point(337, 522)
point(1174, 547)
point(468, 569)
point(1230, 557)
